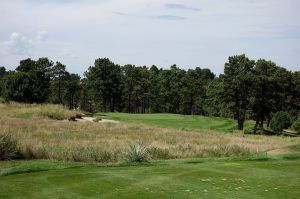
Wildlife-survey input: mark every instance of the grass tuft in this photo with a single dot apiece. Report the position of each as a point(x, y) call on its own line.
point(8, 147)
point(137, 152)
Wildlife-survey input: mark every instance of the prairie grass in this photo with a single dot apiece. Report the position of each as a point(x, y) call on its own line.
point(43, 138)
point(31, 111)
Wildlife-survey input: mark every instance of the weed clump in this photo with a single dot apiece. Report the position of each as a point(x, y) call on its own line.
point(8, 147)
point(137, 152)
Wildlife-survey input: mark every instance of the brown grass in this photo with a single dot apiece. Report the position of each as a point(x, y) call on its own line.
point(34, 111)
point(43, 138)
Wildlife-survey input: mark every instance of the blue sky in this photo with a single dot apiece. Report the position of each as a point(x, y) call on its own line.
point(189, 33)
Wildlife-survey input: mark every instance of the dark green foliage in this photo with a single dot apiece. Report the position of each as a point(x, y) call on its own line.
point(296, 124)
point(58, 83)
point(137, 87)
point(265, 95)
point(72, 90)
point(214, 101)
point(8, 147)
point(2, 73)
point(18, 87)
point(193, 90)
point(30, 82)
point(280, 121)
point(103, 83)
point(238, 80)
point(171, 85)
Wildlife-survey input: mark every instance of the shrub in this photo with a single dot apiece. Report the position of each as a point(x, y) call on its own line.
point(8, 147)
point(296, 124)
point(280, 121)
point(136, 153)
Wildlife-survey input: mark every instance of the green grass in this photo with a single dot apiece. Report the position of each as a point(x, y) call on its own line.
point(295, 147)
point(183, 122)
point(196, 178)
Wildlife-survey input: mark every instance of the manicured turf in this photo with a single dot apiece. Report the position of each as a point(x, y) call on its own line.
point(183, 122)
point(275, 178)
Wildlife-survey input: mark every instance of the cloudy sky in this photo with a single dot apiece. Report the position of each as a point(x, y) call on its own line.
point(188, 33)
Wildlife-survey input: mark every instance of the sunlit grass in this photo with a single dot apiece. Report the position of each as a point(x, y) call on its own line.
point(43, 138)
point(182, 122)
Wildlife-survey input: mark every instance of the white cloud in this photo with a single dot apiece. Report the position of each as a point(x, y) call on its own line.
point(18, 44)
point(41, 35)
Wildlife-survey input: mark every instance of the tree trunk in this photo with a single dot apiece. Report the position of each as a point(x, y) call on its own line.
point(129, 103)
point(255, 126)
point(240, 124)
point(105, 105)
point(261, 124)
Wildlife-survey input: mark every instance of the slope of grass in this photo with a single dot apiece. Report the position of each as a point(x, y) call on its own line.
point(183, 122)
point(274, 178)
point(40, 137)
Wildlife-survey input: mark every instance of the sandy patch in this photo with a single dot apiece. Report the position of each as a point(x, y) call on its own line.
point(108, 121)
point(92, 119)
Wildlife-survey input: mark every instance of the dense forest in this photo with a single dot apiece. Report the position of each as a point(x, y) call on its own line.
point(248, 89)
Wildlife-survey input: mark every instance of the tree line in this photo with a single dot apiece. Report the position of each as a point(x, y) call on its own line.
point(248, 89)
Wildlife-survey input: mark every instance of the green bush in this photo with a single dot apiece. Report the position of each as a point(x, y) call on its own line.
point(8, 147)
point(136, 153)
point(296, 124)
point(280, 121)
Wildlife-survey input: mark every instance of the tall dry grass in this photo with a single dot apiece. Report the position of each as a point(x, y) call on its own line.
point(34, 111)
point(40, 137)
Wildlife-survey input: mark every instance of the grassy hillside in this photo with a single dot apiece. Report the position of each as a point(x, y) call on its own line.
point(43, 132)
point(42, 137)
point(273, 178)
point(183, 122)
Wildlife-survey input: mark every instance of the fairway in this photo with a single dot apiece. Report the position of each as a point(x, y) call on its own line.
point(275, 178)
point(176, 121)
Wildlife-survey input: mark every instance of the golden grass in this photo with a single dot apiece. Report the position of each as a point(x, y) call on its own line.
point(29, 111)
point(107, 142)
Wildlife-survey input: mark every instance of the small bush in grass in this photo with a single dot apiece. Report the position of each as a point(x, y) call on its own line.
point(8, 147)
point(280, 121)
point(296, 124)
point(137, 152)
